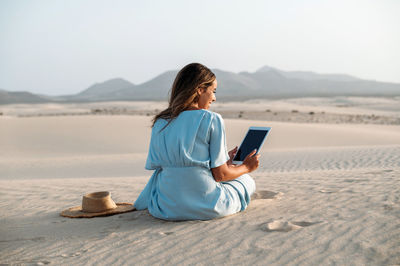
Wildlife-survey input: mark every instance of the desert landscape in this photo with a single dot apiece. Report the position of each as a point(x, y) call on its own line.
point(81, 81)
point(327, 188)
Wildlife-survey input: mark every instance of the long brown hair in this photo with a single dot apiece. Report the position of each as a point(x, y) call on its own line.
point(184, 90)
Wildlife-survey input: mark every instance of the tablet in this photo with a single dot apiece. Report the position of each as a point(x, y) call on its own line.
point(254, 139)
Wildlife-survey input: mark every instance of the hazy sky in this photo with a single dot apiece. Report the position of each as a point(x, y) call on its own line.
point(61, 47)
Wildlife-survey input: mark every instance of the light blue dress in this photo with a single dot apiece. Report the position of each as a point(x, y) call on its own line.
point(182, 186)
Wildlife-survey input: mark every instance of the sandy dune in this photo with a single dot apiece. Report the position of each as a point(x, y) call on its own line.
point(327, 194)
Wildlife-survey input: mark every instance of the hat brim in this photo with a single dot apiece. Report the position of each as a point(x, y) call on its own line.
point(76, 212)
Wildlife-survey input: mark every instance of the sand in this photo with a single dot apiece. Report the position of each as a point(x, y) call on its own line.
point(328, 194)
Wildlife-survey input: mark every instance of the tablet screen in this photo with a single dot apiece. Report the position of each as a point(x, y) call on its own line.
point(253, 140)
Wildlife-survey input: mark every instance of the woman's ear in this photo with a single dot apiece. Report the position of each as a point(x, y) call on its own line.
point(201, 90)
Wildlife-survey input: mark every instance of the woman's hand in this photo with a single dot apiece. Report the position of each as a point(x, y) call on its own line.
point(228, 171)
point(251, 161)
point(232, 154)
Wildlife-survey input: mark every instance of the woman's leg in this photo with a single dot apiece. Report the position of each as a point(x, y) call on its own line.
point(245, 187)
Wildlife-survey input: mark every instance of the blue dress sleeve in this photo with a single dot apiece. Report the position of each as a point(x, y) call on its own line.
point(218, 151)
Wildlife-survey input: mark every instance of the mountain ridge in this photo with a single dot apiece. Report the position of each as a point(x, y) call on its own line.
point(266, 82)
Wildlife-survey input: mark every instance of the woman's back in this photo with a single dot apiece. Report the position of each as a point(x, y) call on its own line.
point(182, 154)
point(186, 141)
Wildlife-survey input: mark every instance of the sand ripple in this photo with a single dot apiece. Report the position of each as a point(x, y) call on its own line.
point(303, 217)
point(342, 158)
point(318, 204)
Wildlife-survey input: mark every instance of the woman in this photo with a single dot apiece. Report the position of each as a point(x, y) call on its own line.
point(194, 178)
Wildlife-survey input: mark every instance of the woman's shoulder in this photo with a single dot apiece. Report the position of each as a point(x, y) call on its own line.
point(201, 114)
point(211, 120)
point(204, 112)
point(207, 116)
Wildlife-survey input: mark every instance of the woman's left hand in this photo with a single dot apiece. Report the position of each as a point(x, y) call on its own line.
point(232, 154)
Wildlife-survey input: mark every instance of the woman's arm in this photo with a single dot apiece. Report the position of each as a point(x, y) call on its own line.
point(229, 171)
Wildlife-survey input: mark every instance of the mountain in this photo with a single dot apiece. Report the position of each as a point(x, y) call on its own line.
point(122, 90)
point(155, 89)
point(266, 82)
point(101, 91)
point(8, 97)
point(308, 75)
point(274, 83)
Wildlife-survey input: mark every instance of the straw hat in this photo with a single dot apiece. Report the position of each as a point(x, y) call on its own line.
point(97, 204)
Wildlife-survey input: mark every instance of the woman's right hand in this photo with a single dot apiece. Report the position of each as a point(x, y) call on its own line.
point(228, 172)
point(251, 161)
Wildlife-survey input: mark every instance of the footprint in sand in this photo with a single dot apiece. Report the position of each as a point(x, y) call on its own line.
point(76, 254)
point(166, 233)
point(265, 194)
point(284, 226)
point(328, 191)
point(45, 262)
